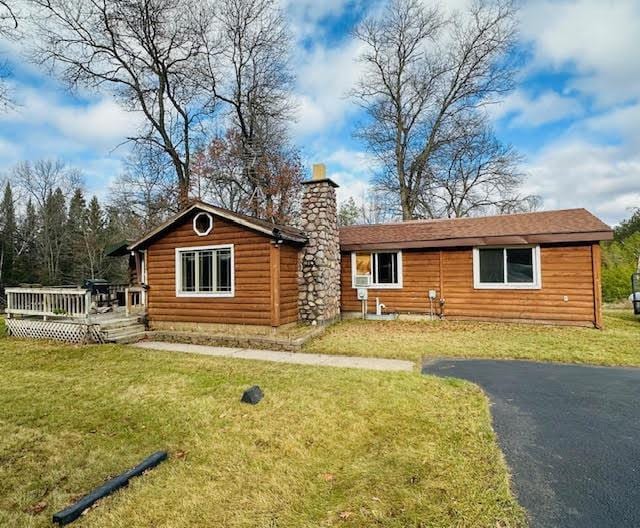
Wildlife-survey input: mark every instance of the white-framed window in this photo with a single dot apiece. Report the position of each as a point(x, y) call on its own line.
point(206, 271)
point(507, 267)
point(383, 269)
point(202, 224)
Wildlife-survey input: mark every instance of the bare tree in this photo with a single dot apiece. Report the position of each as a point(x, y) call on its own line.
point(475, 174)
point(219, 173)
point(8, 27)
point(378, 207)
point(40, 179)
point(145, 52)
point(144, 194)
point(8, 16)
point(425, 79)
point(253, 44)
point(49, 184)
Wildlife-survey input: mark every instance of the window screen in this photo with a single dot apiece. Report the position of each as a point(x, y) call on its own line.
point(223, 278)
point(188, 271)
point(386, 268)
point(491, 265)
point(206, 271)
point(520, 265)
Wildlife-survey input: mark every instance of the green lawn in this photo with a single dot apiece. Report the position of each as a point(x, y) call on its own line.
point(617, 344)
point(326, 447)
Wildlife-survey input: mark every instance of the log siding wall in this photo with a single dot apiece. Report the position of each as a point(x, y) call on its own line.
point(289, 259)
point(267, 283)
point(571, 270)
point(252, 302)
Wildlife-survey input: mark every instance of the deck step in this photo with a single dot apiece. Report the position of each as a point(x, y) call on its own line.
point(133, 337)
point(121, 334)
point(122, 322)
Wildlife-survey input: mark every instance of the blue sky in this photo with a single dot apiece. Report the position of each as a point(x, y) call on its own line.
point(574, 115)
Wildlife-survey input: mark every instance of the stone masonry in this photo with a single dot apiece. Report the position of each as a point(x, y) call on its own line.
point(319, 268)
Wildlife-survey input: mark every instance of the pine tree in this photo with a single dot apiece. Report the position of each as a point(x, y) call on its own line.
point(348, 214)
point(25, 269)
point(76, 259)
point(95, 238)
point(53, 237)
point(7, 237)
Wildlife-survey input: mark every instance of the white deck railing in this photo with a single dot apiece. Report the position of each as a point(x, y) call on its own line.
point(72, 303)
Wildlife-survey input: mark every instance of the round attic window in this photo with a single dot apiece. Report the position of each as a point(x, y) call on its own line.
point(202, 224)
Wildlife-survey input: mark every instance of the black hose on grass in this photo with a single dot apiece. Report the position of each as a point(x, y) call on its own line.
point(74, 511)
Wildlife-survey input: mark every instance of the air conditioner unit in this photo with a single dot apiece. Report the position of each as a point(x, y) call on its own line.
point(362, 281)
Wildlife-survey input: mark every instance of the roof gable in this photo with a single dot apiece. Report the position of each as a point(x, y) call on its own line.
point(275, 231)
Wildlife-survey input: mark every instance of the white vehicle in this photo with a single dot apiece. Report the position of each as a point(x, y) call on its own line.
point(635, 296)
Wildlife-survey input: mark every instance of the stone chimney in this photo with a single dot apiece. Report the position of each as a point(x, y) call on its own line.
point(319, 297)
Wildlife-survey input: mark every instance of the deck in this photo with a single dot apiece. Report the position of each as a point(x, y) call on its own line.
point(74, 315)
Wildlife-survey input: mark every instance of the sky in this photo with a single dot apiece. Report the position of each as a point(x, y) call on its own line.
point(574, 115)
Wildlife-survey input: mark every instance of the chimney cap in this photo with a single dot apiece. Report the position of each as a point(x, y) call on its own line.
point(320, 175)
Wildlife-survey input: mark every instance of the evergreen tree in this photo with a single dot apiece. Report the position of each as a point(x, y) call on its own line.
point(7, 237)
point(348, 214)
point(76, 261)
point(54, 237)
point(27, 253)
point(95, 236)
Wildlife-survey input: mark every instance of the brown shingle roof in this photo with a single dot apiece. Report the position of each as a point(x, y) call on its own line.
point(570, 225)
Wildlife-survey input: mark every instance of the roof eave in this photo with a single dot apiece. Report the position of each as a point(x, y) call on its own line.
point(227, 215)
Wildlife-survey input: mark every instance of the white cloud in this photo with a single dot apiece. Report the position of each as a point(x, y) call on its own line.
point(578, 173)
point(325, 76)
point(527, 111)
point(101, 123)
point(351, 186)
point(352, 160)
point(599, 39)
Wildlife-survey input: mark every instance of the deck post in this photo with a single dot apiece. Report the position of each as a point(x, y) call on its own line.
point(127, 302)
point(87, 305)
point(45, 306)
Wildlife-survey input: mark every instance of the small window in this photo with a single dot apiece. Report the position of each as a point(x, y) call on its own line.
point(383, 269)
point(507, 267)
point(206, 271)
point(202, 224)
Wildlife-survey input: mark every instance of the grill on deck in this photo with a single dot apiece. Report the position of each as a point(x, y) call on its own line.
point(96, 286)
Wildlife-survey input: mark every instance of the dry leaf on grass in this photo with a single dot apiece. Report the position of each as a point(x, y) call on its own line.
point(36, 508)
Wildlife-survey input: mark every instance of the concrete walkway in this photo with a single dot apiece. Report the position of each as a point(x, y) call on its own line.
point(298, 358)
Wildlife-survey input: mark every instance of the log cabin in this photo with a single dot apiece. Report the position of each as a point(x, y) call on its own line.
point(209, 265)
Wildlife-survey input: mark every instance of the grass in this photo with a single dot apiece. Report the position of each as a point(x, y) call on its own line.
point(326, 447)
point(617, 344)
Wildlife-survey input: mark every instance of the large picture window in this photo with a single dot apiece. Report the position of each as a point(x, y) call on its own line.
point(383, 268)
point(507, 267)
point(205, 271)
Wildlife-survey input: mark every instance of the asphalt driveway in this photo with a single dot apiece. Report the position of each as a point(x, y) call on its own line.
point(570, 434)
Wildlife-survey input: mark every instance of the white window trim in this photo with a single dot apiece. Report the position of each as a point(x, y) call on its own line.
point(374, 285)
point(195, 229)
point(537, 273)
point(178, 275)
